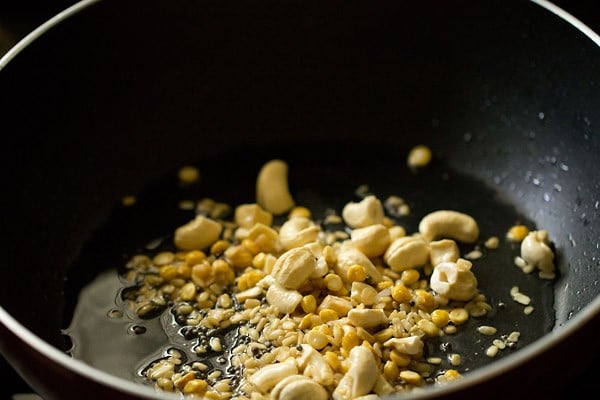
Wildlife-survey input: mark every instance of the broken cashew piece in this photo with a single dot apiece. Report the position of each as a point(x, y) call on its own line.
point(455, 281)
point(197, 234)
point(294, 267)
point(443, 250)
point(368, 317)
point(535, 250)
point(314, 366)
point(298, 387)
point(268, 376)
point(298, 231)
point(322, 268)
point(369, 211)
point(411, 345)
point(348, 256)
point(448, 224)
point(272, 191)
point(285, 300)
point(360, 377)
point(247, 215)
point(371, 240)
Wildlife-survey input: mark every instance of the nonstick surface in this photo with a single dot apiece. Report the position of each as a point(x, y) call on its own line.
point(504, 93)
point(322, 181)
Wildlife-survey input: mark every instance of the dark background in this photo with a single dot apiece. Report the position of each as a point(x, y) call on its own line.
point(17, 18)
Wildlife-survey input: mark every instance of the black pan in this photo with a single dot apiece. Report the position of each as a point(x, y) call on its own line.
point(111, 97)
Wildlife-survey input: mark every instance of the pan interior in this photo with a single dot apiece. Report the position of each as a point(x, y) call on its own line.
point(321, 182)
point(505, 96)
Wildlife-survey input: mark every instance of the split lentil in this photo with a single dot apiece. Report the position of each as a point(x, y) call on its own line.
point(242, 310)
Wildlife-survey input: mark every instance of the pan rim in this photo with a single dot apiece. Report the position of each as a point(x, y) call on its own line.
point(473, 378)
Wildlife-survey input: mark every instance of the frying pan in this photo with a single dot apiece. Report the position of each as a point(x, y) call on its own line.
point(110, 98)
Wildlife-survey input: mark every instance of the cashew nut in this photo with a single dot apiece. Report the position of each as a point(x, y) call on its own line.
point(535, 250)
point(314, 366)
point(368, 317)
point(396, 232)
point(298, 231)
point(371, 240)
point(340, 305)
point(348, 256)
point(363, 293)
point(368, 211)
point(266, 377)
point(360, 377)
point(455, 281)
point(322, 268)
point(197, 234)
point(411, 345)
point(450, 225)
point(298, 387)
point(266, 238)
point(292, 268)
point(407, 252)
point(246, 215)
point(285, 300)
point(382, 387)
point(442, 251)
point(272, 192)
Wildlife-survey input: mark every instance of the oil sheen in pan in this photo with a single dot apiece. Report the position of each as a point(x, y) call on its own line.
point(105, 336)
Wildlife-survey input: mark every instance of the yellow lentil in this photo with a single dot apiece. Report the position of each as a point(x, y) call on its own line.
point(440, 317)
point(357, 273)
point(410, 276)
point(333, 282)
point(517, 233)
point(401, 294)
point(194, 257)
point(459, 316)
point(411, 377)
point(219, 247)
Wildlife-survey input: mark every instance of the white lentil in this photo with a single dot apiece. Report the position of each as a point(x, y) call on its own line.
point(528, 310)
point(514, 337)
point(474, 255)
point(492, 243)
point(455, 359)
point(491, 351)
point(215, 344)
point(487, 330)
point(450, 330)
point(434, 360)
point(521, 298)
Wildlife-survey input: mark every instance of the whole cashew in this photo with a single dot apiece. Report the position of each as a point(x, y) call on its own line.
point(447, 224)
point(197, 234)
point(368, 211)
point(272, 191)
point(407, 252)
